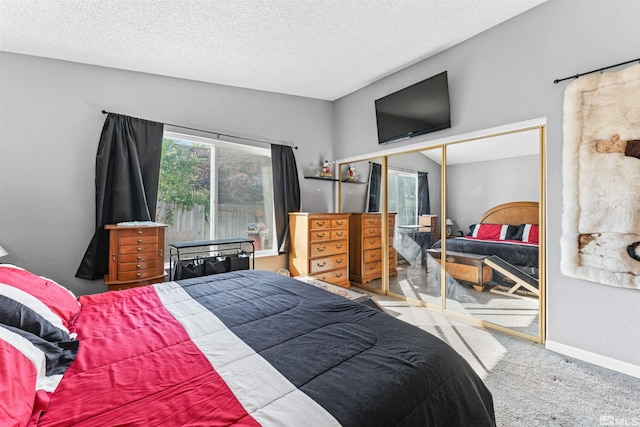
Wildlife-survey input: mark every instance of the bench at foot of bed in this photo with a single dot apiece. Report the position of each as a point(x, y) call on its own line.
point(466, 267)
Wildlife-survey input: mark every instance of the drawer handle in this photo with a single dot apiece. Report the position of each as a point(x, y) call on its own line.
point(340, 234)
point(139, 240)
point(371, 222)
point(339, 275)
point(139, 231)
point(450, 259)
point(320, 235)
point(372, 255)
point(139, 249)
point(339, 222)
point(138, 257)
point(338, 246)
point(371, 242)
point(138, 266)
point(321, 265)
point(372, 267)
point(138, 274)
point(372, 231)
point(320, 224)
point(113, 257)
point(339, 261)
point(322, 249)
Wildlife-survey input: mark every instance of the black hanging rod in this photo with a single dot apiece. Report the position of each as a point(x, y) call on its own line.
point(599, 70)
point(218, 134)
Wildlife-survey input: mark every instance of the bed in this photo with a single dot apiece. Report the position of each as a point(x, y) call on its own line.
point(242, 348)
point(503, 245)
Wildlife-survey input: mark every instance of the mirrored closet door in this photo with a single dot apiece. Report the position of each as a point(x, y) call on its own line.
point(414, 194)
point(465, 230)
point(491, 254)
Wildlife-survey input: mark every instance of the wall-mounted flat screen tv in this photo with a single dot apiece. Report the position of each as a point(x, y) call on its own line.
point(415, 110)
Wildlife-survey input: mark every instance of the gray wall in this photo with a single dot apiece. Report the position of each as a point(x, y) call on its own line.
point(476, 187)
point(50, 123)
point(505, 75)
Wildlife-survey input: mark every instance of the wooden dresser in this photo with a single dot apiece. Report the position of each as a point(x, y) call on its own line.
point(429, 225)
point(365, 256)
point(319, 246)
point(136, 255)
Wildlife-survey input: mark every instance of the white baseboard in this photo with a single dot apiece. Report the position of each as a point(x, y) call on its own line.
point(596, 359)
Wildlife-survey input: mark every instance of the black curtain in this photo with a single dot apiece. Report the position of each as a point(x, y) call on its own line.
point(286, 191)
point(375, 186)
point(127, 173)
point(424, 207)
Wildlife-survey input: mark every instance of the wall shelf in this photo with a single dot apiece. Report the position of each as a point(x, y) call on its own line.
point(321, 178)
point(335, 180)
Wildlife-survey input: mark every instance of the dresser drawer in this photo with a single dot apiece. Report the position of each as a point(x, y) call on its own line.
point(134, 249)
point(339, 234)
point(334, 276)
point(139, 256)
point(142, 231)
point(339, 223)
point(371, 243)
point(328, 248)
point(137, 266)
point(139, 240)
point(371, 255)
point(371, 231)
point(319, 265)
point(136, 274)
point(371, 221)
point(372, 268)
point(320, 235)
point(320, 224)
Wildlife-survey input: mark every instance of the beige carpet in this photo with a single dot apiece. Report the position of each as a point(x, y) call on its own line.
point(532, 386)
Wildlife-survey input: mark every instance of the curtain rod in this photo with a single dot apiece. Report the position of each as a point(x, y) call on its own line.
point(218, 134)
point(556, 81)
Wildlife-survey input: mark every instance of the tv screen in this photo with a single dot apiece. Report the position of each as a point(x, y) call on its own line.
point(415, 110)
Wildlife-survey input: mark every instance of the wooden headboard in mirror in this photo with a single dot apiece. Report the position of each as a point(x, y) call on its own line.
point(514, 213)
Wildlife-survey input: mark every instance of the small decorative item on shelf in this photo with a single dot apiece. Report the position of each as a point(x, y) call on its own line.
point(326, 169)
point(352, 173)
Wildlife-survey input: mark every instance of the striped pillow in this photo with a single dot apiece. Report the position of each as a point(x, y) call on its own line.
point(31, 369)
point(36, 304)
point(493, 231)
point(528, 233)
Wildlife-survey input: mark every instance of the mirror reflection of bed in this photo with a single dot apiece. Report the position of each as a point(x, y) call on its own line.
point(492, 277)
point(480, 175)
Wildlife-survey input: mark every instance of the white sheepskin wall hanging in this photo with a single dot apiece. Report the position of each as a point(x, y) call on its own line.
point(601, 176)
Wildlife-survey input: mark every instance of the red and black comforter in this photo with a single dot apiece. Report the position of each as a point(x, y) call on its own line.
point(257, 348)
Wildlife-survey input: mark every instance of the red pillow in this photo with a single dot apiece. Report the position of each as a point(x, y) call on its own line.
point(43, 296)
point(25, 387)
point(530, 233)
point(493, 231)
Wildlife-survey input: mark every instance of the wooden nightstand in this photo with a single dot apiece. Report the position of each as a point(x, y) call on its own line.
point(136, 255)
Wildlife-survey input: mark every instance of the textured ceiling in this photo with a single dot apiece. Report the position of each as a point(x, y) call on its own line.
point(321, 49)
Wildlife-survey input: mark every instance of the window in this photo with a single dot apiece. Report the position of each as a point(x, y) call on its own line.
point(212, 189)
point(402, 196)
